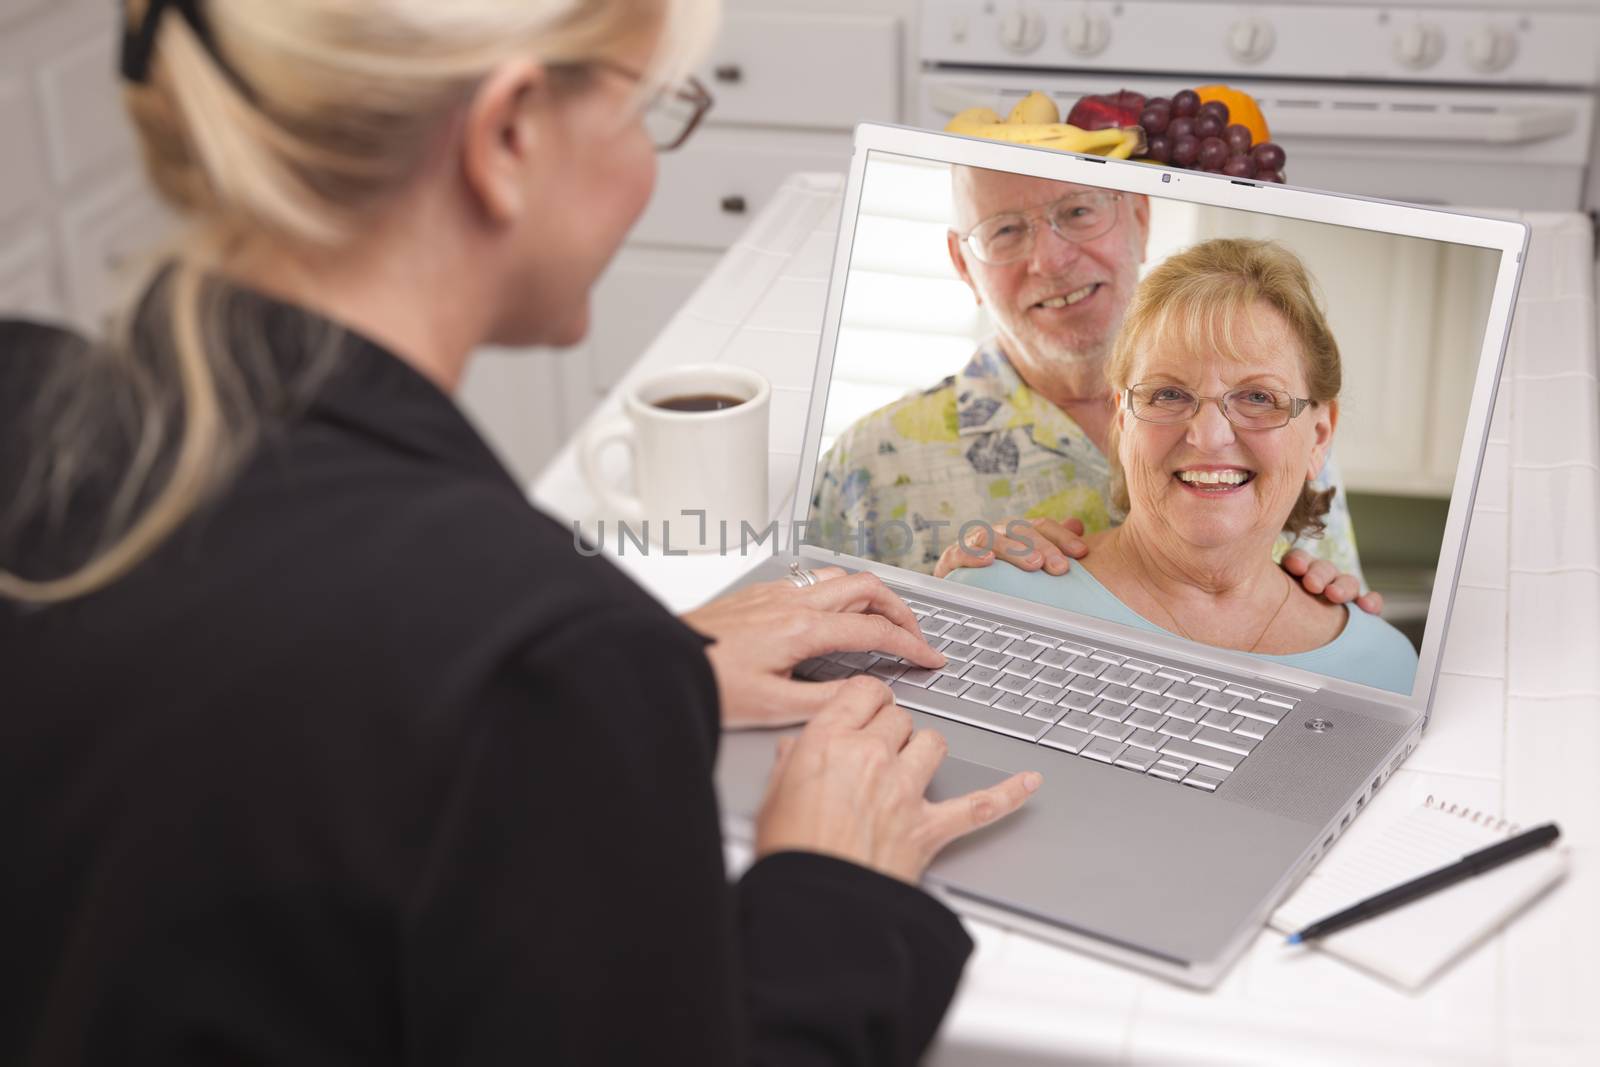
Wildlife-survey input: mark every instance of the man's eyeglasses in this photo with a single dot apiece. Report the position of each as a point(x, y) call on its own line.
point(1249, 408)
point(1008, 237)
point(672, 114)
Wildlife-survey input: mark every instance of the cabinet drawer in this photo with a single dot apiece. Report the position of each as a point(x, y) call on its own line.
point(769, 68)
point(707, 194)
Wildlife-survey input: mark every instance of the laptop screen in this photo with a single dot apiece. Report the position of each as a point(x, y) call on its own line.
point(1205, 389)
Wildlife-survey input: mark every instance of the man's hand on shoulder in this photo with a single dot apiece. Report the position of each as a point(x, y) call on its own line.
point(1323, 579)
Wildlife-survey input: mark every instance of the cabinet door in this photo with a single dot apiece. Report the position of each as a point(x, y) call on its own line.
point(707, 194)
point(826, 71)
point(28, 285)
point(638, 296)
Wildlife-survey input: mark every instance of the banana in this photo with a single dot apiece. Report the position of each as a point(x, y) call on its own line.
point(1113, 143)
point(975, 116)
point(1036, 107)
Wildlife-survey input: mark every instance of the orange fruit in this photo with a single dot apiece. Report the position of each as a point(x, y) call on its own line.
point(1242, 108)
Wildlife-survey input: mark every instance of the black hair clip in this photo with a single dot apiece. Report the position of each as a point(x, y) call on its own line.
point(139, 42)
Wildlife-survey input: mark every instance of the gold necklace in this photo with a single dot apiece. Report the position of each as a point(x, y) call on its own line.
point(1288, 589)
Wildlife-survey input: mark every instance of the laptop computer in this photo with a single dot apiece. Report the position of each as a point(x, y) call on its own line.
point(1187, 788)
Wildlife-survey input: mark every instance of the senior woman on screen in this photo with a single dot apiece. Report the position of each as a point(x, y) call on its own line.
point(1228, 378)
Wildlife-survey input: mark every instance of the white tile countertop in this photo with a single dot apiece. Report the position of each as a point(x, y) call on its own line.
point(1515, 730)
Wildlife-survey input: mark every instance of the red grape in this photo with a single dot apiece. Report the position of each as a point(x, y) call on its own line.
point(1217, 108)
point(1213, 153)
point(1158, 148)
point(1267, 156)
point(1159, 101)
point(1181, 126)
point(1154, 119)
point(1238, 138)
point(1185, 150)
point(1185, 103)
point(1206, 125)
point(1239, 167)
point(1269, 176)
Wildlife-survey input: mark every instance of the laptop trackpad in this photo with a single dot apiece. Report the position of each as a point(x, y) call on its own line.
point(958, 777)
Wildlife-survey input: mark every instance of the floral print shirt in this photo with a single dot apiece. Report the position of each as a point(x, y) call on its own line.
point(982, 447)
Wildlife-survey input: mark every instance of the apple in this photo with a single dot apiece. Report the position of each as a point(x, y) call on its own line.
point(1119, 109)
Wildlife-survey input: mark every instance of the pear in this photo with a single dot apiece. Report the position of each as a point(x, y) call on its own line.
point(1035, 109)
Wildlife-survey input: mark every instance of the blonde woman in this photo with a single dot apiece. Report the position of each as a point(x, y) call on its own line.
point(1228, 379)
point(320, 746)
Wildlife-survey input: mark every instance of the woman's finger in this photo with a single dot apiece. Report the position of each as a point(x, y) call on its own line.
point(922, 756)
point(956, 557)
point(950, 819)
point(854, 703)
point(828, 631)
point(892, 723)
point(864, 592)
point(1343, 589)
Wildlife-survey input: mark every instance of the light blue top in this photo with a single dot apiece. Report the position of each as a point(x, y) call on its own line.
point(1368, 650)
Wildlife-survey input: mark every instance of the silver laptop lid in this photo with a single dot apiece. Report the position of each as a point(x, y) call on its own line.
point(1419, 301)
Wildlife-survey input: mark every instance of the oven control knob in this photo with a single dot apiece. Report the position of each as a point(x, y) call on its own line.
point(1250, 40)
point(1491, 49)
point(1021, 30)
point(1087, 33)
point(1418, 46)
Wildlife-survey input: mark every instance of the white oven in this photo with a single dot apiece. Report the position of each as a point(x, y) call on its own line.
point(1432, 101)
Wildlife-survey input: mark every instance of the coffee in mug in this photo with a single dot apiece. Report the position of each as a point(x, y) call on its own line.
point(697, 436)
point(700, 402)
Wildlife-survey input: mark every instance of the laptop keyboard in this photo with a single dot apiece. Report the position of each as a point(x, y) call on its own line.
point(1137, 714)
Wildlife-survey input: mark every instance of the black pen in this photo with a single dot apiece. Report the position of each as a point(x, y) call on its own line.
point(1473, 863)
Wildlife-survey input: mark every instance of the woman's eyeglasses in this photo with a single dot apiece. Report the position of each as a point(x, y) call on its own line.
point(672, 114)
point(1008, 237)
point(1250, 408)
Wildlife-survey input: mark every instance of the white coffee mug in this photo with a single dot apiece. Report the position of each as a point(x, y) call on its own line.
point(688, 462)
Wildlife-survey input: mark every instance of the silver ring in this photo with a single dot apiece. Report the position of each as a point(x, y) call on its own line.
point(802, 579)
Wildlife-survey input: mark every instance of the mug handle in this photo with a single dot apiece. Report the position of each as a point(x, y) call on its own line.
point(623, 505)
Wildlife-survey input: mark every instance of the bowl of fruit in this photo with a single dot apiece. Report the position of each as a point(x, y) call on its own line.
point(1212, 128)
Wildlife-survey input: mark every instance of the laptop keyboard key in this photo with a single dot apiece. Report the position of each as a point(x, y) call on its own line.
point(1205, 778)
point(963, 633)
point(1211, 757)
point(1013, 683)
point(982, 694)
point(1042, 641)
point(1142, 666)
point(1116, 731)
point(1178, 728)
point(1178, 768)
point(1174, 674)
point(1082, 684)
point(957, 650)
point(1054, 676)
point(1240, 746)
point(1252, 729)
point(949, 683)
point(1152, 683)
point(1138, 759)
point(988, 658)
point(1222, 720)
point(1242, 690)
point(887, 669)
point(1218, 701)
point(1286, 703)
point(1180, 709)
point(1120, 693)
point(1103, 749)
point(1054, 657)
point(1021, 668)
point(1261, 712)
point(1185, 691)
point(918, 677)
point(1147, 739)
point(1019, 648)
point(1110, 658)
point(981, 675)
point(1153, 702)
point(1089, 668)
point(1161, 769)
point(1109, 709)
point(1081, 721)
point(1143, 718)
point(1079, 701)
point(1075, 648)
point(1213, 684)
point(1118, 675)
point(949, 616)
point(1045, 713)
point(992, 642)
point(1010, 631)
point(1064, 739)
point(1044, 691)
point(1015, 703)
point(933, 627)
point(961, 710)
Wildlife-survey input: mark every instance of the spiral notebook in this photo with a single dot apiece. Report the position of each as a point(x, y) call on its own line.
point(1414, 943)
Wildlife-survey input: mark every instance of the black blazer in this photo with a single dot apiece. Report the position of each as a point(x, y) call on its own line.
point(367, 764)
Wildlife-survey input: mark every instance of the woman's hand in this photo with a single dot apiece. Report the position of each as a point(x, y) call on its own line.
point(1322, 578)
point(1027, 544)
point(852, 784)
point(762, 632)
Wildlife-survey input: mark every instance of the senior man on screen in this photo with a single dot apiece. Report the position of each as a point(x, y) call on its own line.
point(1019, 433)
